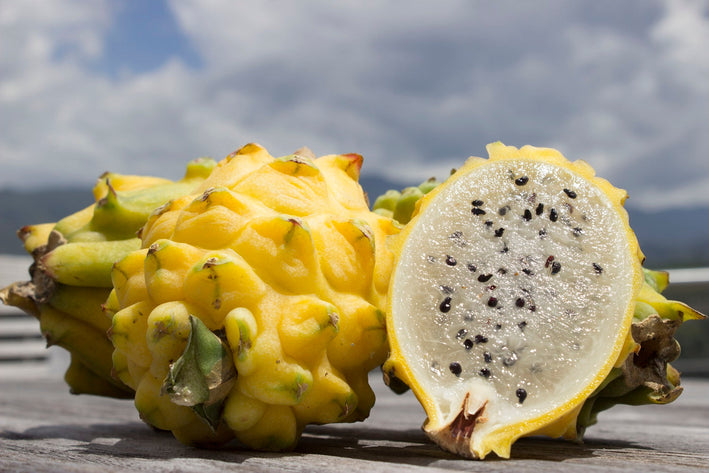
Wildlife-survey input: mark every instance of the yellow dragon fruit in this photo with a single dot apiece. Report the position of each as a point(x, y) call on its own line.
point(255, 306)
point(71, 272)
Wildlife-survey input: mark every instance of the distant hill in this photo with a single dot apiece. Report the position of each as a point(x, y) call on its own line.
point(19, 208)
point(670, 238)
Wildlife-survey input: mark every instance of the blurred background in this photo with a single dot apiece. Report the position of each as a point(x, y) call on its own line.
point(140, 87)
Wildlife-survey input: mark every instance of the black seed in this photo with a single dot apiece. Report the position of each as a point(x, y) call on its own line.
point(445, 305)
point(577, 231)
point(488, 223)
point(478, 211)
point(492, 302)
point(472, 268)
point(431, 259)
point(527, 215)
point(553, 216)
point(555, 267)
point(522, 324)
point(519, 302)
point(498, 326)
point(477, 203)
point(510, 360)
point(533, 308)
point(505, 249)
point(597, 268)
point(520, 181)
point(457, 237)
point(549, 260)
point(570, 193)
point(499, 232)
point(487, 357)
point(484, 277)
point(450, 261)
point(502, 211)
point(539, 210)
point(468, 344)
point(542, 233)
point(521, 395)
point(461, 333)
point(446, 289)
point(480, 338)
point(527, 271)
point(455, 368)
point(502, 271)
point(485, 372)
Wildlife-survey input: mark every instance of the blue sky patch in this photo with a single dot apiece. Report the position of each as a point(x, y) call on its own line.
point(143, 36)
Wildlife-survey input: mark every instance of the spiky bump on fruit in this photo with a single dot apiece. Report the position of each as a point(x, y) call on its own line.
point(513, 300)
point(71, 272)
point(281, 261)
point(400, 205)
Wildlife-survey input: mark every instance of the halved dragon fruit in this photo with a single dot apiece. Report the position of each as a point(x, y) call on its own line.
point(519, 305)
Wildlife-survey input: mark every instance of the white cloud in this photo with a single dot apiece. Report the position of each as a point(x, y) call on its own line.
point(415, 89)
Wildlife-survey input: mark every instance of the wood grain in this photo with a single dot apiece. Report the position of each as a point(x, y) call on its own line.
point(45, 429)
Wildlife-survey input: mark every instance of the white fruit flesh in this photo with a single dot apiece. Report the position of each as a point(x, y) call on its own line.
point(542, 322)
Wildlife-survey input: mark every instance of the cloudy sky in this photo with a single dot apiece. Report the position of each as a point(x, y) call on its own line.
point(416, 87)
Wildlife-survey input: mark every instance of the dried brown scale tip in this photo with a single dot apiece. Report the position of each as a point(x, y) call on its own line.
point(211, 262)
point(549, 261)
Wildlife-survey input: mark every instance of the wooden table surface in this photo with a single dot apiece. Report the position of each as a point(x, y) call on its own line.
point(45, 429)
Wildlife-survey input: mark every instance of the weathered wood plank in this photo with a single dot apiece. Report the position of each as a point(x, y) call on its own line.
point(43, 428)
